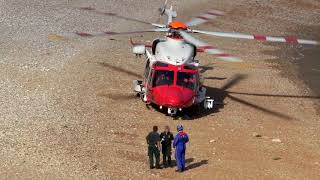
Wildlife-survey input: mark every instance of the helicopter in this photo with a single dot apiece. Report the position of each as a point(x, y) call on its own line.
point(171, 78)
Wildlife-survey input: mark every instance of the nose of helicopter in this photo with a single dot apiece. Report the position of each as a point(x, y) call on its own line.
point(173, 96)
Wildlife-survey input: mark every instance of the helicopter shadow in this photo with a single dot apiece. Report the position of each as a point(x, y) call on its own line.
point(220, 94)
point(205, 68)
point(120, 69)
point(209, 67)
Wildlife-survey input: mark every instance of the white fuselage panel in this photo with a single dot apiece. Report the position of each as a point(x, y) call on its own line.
point(174, 51)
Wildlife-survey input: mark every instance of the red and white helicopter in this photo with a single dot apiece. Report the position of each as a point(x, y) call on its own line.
point(171, 78)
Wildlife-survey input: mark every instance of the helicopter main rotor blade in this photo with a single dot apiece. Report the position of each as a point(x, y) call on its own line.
point(108, 33)
point(121, 17)
point(290, 40)
point(204, 47)
point(205, 17)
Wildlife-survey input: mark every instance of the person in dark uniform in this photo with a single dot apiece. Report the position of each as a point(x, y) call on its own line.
point(153, 141)
point(166, 140)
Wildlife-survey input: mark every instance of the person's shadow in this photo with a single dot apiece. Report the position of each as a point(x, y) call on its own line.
point(196, 164)
point(174, 162)
point(190, 164)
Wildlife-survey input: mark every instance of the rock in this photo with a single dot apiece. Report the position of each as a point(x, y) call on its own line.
point(212, 141)
point(256, 134)
point(276, 140)
point(276, 158)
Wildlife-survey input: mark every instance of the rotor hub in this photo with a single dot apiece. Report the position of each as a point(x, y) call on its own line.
point(177, 25)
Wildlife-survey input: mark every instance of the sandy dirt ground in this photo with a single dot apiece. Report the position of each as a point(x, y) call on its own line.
point(67, 110)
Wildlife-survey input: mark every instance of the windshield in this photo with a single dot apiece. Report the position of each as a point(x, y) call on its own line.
point(163, 77)
point(187, 80)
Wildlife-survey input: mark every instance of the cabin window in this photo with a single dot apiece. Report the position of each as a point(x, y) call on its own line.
point(147, 70)
point(150, 78)
point(163, 77)
point(187, 80)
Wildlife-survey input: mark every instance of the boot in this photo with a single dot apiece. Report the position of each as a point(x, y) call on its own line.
point(165, 164)
point(169, 161)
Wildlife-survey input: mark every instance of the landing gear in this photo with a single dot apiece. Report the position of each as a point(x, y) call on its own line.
point(140, 90)
point(201, 102)
point(205, 101)
point(172, 111)
point(208, 103)
point(137, 86)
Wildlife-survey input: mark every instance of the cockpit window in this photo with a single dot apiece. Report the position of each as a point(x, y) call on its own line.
point(174, 34)
point(163, 77)
point(187, 80)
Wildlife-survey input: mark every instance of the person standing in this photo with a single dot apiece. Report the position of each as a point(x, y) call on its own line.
point(179, 144)
point(166, 140)
point(153, 141)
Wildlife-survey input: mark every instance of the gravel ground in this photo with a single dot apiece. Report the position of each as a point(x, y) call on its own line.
point(64, 115)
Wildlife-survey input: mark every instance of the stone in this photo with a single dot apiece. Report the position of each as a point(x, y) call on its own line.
point(256, 134)
point(276, 140)
point(276, 158)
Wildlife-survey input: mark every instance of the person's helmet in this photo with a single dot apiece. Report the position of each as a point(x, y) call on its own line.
point(180, 127)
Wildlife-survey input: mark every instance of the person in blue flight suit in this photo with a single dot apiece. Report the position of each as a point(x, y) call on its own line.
point(179, 144)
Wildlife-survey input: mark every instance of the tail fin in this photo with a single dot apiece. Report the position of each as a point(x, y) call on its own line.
point(170, 13)
point(163, 8)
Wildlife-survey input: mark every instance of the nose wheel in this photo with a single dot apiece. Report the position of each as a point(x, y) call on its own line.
point(208, 103)
point(172, 111)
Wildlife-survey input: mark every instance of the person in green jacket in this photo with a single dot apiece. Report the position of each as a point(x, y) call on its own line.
point(153, 141)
